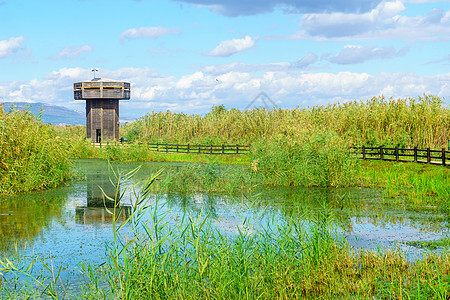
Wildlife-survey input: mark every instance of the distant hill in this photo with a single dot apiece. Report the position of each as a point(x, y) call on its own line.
point(51, 114)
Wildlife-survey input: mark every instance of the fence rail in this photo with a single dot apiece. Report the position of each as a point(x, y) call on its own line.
point(187, 148)
point(200, 149)
point(430, 156)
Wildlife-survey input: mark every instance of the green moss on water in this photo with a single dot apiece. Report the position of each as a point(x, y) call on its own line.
point(431, 245)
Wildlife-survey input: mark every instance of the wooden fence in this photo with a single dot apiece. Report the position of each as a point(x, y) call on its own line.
point(200, 149)
point(436, 157)
point(187, 148)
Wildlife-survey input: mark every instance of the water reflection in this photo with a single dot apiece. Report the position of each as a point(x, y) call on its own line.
point(95, 215)
point(72, 220)
point(98, 208)
point(25, 217)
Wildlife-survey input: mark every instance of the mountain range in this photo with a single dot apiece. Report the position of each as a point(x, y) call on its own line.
point(56, 115)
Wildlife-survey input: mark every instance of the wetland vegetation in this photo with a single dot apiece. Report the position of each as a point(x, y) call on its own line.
point(300, 256)
point(32, 154)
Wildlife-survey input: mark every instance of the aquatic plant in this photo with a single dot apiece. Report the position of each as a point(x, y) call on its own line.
point(155, 255)
point(432, 245)
point(32, 155)
point(413, 185)
point(211, 178)
point(141, 152)
point(77, 144)
point(191, 258)
point(376, 121)
point(319, 158)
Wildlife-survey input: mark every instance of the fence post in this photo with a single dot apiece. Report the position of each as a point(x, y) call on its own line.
point(364, 152)
point(210, 149)
point(396, 153)
point(415, 154)
point(237, 148)
point(157, 147)
point(199, 149)
point(177, 147)
point(443, 156)
point(167, 148)
point(381, 152)
point(188, 149)
point(223, 149)
point(428, 155)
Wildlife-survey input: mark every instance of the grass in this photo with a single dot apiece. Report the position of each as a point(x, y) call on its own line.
point(416, 186)
point(298, 258)
point(190, 258)
point(210, 178)
point(315, 159)
point(377, 121)
point(140, 152)
point(32, 155)
point(431, 245)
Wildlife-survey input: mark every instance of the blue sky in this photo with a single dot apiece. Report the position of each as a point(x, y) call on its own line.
point(188, 55)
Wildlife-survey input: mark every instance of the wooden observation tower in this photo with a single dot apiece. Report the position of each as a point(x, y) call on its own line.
point(102, 106)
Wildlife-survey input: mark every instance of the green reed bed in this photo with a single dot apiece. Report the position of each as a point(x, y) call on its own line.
point(378, 121)
point(209, 178)
point(301, 257)
point(141, 152)
point(32, 155)
point(163, 256)
point(316, 158)
point(76, 143)
point(415, 185)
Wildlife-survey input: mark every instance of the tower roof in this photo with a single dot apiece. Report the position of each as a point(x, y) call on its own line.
point(102, 79)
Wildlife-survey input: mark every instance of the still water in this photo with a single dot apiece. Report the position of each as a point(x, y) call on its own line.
point(70, 224)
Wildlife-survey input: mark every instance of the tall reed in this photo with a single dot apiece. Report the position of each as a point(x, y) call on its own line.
point(155, 255)
point(32, 155)
point(190, 258)
point(378, 121)
point(305, 159)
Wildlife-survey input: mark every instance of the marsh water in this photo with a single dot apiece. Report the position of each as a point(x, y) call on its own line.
point(70, 224)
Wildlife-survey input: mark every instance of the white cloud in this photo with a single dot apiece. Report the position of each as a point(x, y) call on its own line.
point(147, 32)
point(198, 91)
point(383, 22)
point(235, 8)
point(187, 81)
point(72, 52)
point(422, 1)
point(244, 67)
point(230, 47)
point(11, 46)
point(353, 54)
point(309, 59)
point(445, 59)
point(303, 63)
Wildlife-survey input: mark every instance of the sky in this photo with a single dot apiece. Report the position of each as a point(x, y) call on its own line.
point(190, 55)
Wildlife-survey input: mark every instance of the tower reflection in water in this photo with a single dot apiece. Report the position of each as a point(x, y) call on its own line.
point(99, 209)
